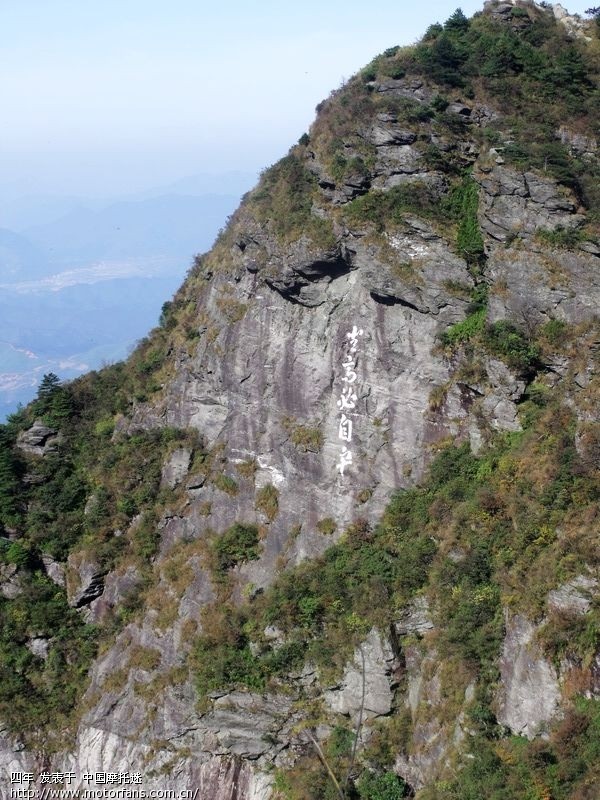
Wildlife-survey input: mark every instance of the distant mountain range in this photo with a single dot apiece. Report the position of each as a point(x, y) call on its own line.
point(170, 227)
point(86, 278)
point(20, 257)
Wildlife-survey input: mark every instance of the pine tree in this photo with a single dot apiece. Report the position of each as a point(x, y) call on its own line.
point(60, 407)
point(48, 385)
point(457, 21)
point(9, 483)
point(53, 401)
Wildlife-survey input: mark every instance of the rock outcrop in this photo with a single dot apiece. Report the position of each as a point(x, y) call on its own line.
point(39, 439)
point(530, 694)
point(257, 377)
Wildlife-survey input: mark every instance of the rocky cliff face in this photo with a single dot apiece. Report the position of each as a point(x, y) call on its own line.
point(257, 348)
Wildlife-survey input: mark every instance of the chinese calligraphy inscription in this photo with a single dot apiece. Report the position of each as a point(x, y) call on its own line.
point(348, 397)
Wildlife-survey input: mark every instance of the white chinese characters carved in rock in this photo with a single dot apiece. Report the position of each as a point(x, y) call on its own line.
point(348, 397)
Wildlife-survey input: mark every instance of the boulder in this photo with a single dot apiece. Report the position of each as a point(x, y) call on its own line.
point(39, 646)
point(379, 663)
point(574, 597)
point(39, 440)
point(86, 580)
point(529, 694)
point(176, 467)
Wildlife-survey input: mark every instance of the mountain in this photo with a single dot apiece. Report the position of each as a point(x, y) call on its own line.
point(19, 256)
point(20, 210)
point(71, 328)
point(332, 529)
point(66, 285)
point(167, 227)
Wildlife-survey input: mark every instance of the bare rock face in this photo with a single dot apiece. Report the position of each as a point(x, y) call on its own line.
point(224, 777)
point(575, 596)
point(10, 586)
point(379, 662)
point(176, 467)
point(586, 146)
point(515, 203)
point(539, 285)
point(573, 23)
point(54, 569)
point(86, 580)
point(38, 440)
point(283, 375)
point(416, 618)
point(13, 758)
point(432, 738)
point(529, 696)
point(116, 589)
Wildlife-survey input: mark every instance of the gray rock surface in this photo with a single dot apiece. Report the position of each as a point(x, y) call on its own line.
point(415, 619)
point(55, 570)
point(85, 580)
point(432, 739)
point(573, 23)
point(10, 585)
point(14, 758)
point(117, 588)
point(529, 694)
point(39, 646)
point(379, 663)
point(519, 204)
point(586, 146)
point(537, 286)
point(176, 467)
point(575, 596)
point(38, 440)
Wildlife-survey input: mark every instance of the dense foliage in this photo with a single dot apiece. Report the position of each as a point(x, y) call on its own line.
point(534, 73)
point(481, 533)
point(82, 495)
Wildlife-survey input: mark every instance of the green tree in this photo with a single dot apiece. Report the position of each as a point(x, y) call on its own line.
point(457, 21)
point(48, 385)
point(468, 238)
point(54, 402)
point(9, 482)
point(60, 406)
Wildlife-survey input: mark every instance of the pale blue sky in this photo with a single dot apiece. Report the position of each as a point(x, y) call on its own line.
point(112, 96)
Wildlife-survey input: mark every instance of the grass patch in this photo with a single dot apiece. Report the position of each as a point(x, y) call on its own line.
point(304, 437)
point(226, 484)
point(267, 501)
point(559, 237)
point(238, 544)
point(327, 526)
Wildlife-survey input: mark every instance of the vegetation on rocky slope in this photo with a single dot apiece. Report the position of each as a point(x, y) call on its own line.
point(83, 496)
point(483, 533)
point(487, 532)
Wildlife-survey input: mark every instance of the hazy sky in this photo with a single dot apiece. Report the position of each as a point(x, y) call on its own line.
point(112, 96)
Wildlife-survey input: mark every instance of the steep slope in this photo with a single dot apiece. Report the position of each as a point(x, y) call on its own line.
point(415, 284)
